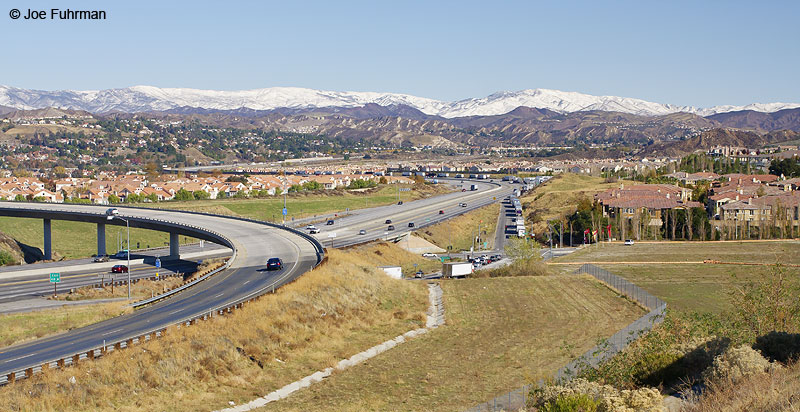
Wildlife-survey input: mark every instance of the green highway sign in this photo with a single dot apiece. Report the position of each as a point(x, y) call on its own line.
point(55, 277)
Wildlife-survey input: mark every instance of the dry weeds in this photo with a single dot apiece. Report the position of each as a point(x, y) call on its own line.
point(331, 313)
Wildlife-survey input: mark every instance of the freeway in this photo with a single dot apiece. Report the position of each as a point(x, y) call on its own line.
point(245, 278)
point(421, 212)
point(252, 242)
point(26, 281)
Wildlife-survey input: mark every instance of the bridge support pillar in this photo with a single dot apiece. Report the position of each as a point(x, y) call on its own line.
point(101, 239)
point(48, 246)
point(174, 246)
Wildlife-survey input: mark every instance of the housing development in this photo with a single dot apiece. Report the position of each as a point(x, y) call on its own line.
point(383, 206)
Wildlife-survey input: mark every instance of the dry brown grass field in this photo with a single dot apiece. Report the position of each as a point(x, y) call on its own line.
point(329, 314)
point(687, 287)
point(20, 327)
point(773, 391)
point(499, 334)
point(460, 230)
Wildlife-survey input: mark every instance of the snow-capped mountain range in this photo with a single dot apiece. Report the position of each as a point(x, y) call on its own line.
point(148, 98)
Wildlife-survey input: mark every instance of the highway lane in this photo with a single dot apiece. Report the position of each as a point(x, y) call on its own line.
point(254, 243)
point(421, 212)
point(33, 286)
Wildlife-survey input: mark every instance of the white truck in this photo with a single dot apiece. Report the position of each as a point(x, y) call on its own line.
point(456, 269)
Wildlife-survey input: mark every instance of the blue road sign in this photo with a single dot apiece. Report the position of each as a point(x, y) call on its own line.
point(158, 262)
point(285, 212)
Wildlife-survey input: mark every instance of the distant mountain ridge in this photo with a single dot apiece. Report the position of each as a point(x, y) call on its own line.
point(288, 100)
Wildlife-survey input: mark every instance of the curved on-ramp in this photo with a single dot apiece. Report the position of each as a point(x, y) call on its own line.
point(253, 243)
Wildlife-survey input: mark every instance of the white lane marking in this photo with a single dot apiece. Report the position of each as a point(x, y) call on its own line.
point(21, 357)
point(113, 331)
point(219, 295)
point(246, 282)
point(175, 311)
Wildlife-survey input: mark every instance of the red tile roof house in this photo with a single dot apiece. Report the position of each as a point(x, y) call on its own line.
point(781, 211)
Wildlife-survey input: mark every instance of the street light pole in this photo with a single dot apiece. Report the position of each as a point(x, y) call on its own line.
point(128, 227)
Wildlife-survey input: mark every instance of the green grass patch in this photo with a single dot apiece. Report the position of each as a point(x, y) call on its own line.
point(73, 240)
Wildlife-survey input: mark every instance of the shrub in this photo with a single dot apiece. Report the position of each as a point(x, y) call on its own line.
point(605, 398)
point(6, 258)
point(571, 403)
point(736, 363)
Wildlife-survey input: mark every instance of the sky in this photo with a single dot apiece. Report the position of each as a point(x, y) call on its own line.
point(700, 53)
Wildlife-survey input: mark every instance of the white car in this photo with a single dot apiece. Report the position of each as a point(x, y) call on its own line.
point(428, 254)
point(309, 227)
point(628, 242)
point(313, 230)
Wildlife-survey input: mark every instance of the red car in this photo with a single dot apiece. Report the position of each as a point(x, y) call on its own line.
point(119, 269)
point(441, 212)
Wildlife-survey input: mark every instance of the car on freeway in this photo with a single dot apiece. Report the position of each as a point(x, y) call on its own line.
point(391, 227)
point(112, 211)
point(313, 230)
point(274, 264)
point(329, 222)
point(119, 269)
point(497, 257)
point(400, 202)
point(429, 254)
point(310, 226)
point(388, 221)
point(463, 190)
point(628, 242)
point(418, 274)
point(362, 232)
point(462, 204)
point(100, 258)
point(122, 254)
point(410, 224)
point(441, 212)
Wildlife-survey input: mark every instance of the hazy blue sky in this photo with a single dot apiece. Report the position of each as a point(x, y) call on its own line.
point(700, 53)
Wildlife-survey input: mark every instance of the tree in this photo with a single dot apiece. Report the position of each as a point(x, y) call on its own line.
point(383, 180)
point(522, 249)
point(60, 172)
point(113, 199)
point(768, 302)
point(200, 195)
point(183, 194)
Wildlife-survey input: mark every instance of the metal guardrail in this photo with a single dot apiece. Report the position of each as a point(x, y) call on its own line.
point(189, 320)
point(140, 338)
point(518, 398)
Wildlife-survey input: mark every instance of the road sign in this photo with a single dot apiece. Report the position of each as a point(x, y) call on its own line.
point(332, 234)
point(158, 262)
point(55, 278)
point(285, 212)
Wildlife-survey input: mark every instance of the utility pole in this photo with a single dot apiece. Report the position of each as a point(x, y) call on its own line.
point(561, 234)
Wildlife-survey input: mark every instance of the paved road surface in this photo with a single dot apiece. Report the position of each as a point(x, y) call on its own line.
point(253, 242)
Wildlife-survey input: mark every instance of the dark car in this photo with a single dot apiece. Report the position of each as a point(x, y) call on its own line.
point(388, 221)
point(101, 258)
point(330, 222)
point(441, 212)
point(362, 232)
point(391, 227)
point(400, 202)
point(119, 269)
point(410, 224)
point(274, 264)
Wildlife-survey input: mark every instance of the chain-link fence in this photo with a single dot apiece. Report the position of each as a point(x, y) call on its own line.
point(518, 398)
